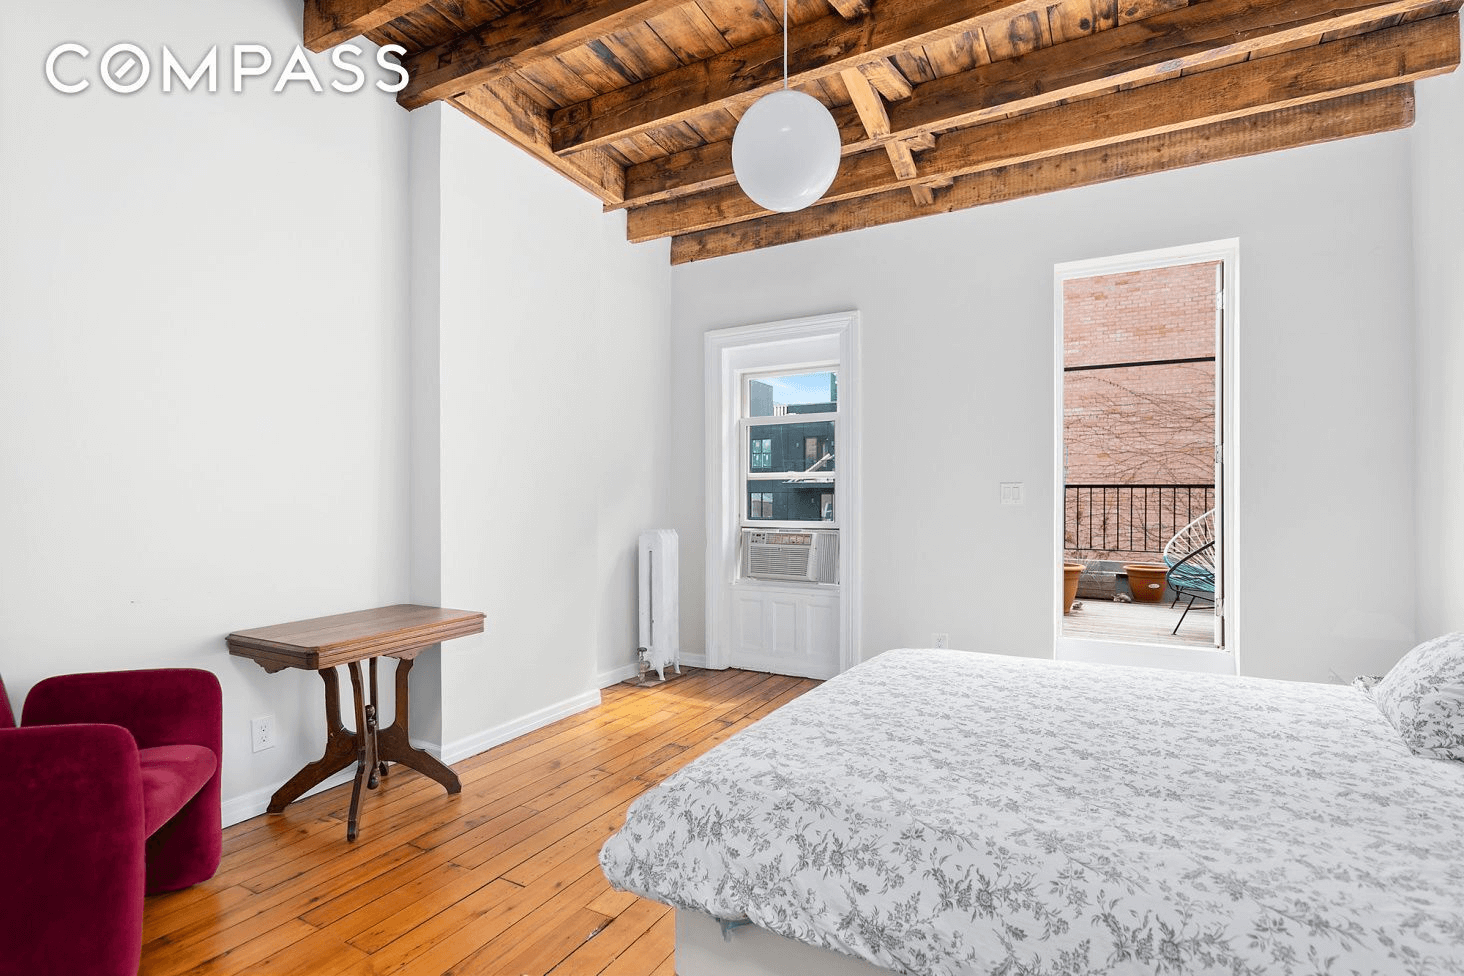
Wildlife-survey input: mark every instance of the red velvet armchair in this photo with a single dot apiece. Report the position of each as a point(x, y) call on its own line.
point(111, 790)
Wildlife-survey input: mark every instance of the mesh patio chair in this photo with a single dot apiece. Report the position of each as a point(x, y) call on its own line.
point(1190, 556)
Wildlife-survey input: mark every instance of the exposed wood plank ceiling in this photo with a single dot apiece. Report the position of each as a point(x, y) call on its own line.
point(941, 104)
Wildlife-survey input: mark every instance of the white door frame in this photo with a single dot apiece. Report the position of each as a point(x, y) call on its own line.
point(730, 352)
point(1156, 655)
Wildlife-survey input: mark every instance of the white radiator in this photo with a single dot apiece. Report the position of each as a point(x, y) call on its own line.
point(660, 627)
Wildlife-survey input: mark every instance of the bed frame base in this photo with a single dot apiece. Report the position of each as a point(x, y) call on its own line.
point(751, 951)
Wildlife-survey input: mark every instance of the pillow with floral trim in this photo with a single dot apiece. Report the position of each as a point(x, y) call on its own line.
point(1423, 696)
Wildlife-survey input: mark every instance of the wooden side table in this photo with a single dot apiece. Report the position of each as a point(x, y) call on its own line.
point(319, 645)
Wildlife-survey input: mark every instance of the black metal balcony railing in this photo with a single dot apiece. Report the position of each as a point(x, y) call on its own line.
point(1130, 518)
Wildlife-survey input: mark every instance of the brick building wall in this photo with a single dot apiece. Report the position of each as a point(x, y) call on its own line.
point(1138, 425)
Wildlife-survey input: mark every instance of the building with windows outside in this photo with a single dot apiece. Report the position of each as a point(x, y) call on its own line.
point(791, 447)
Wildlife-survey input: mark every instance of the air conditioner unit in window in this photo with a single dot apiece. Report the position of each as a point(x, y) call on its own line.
point(801, 557)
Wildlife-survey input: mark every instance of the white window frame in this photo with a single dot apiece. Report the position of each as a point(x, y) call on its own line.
point(784, 346)
point(752, 426)
point(1217, 661)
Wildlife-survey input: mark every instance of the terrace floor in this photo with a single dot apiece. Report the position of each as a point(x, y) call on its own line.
point(1149, 623)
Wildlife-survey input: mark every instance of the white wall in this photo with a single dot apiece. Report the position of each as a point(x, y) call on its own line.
point(203, 385)
point(426, 208)
point(1438, 208)
point(958, 395)
point(554, 406)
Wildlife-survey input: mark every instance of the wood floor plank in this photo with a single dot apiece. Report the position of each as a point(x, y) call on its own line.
point(253, 861)
point(612, 903)
point(466, 923)
point(648, 952)
point(591, 837)
point(617, 710)
point(540, 926)
point(169, 913)
point(223, 953)
point(500, 880)
point(608, 944)
point(551, 944)
point(318, 954)
point(508, 904)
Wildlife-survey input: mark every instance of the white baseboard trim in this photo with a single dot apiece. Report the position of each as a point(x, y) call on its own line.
point(252, 804)
point(623, 673)
point(628, 671)
point(454, 752)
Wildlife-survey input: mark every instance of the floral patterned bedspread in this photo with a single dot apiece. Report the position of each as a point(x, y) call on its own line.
point(941, 812)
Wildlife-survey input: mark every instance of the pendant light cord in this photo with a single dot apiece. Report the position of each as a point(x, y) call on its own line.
point(785, 45)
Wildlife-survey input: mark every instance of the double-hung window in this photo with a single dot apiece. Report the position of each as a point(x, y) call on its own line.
point(790, 434)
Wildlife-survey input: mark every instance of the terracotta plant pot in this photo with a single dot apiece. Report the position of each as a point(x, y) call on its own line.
point(1070, 574)
point(1146, 581)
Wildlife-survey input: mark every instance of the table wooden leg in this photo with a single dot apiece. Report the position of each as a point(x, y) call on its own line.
point(396, 744)
point(365, 750)
point(340, 750)
point(373, 713)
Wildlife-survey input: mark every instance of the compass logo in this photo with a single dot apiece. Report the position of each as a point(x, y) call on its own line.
point(127, 68)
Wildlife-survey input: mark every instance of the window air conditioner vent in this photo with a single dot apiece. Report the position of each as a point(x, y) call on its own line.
point(802, 557)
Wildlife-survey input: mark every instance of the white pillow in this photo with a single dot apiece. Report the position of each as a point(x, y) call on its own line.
point(1423, 696)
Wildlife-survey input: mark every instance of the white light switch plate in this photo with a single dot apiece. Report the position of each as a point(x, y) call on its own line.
point(1012, 492)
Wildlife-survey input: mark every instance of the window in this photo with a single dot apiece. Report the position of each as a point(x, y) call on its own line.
point(790, 422)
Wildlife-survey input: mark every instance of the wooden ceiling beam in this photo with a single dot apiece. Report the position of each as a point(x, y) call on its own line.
point(506, 110)
point(871, 108)
point(849, 9)
point(816, 49)
point(1207, 34)
point(924, 195)
point(1191, 38)
point(887, 79)
point(332, 22)
point(1353, 115)
point(540, 30)
point(868, 103)
point(1380, 59)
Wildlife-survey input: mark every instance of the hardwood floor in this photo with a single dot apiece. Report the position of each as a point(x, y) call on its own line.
point(501, 879)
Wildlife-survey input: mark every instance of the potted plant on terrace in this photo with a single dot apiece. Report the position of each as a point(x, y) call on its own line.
point(1146, 581)
point(1071, 572)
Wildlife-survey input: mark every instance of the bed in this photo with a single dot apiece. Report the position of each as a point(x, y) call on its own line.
point(942, 812)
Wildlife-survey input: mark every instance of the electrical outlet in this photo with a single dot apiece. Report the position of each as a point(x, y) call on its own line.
point(262, 732)
point(942, 640)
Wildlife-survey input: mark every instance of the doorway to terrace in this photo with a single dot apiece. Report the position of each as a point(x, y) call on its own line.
point(1143, 385)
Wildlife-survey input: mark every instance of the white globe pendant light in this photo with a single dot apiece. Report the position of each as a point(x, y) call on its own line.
point(786, 150)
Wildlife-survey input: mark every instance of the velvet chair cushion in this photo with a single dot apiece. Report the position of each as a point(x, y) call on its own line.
point(171, 775)
point(7, 717)
point(162, 707)
point(72, 851)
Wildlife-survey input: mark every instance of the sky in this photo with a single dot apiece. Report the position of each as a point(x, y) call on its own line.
point(807, 388)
